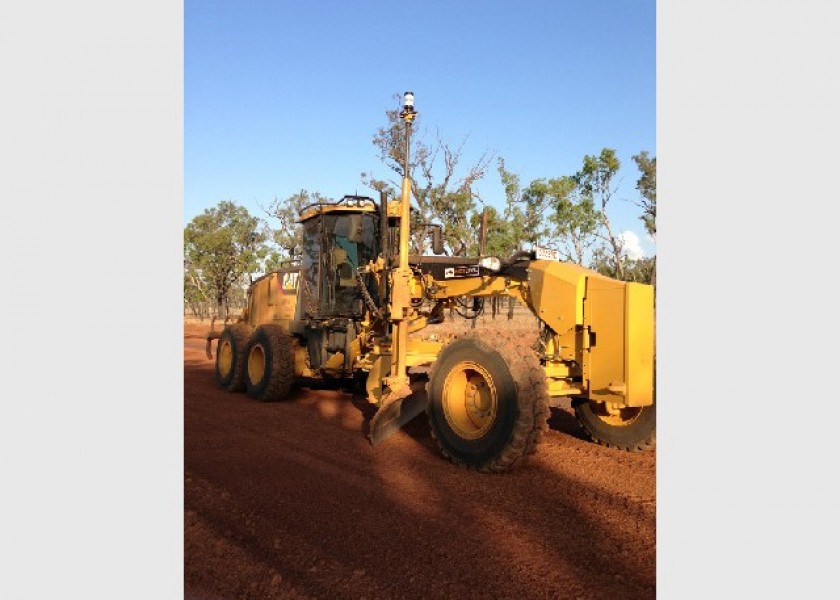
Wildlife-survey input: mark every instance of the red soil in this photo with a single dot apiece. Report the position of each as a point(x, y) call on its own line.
point(290, 500)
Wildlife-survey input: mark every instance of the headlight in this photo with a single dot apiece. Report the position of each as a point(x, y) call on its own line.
point(491, 263)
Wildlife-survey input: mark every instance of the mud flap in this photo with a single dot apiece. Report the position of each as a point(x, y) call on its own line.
point(395, 412)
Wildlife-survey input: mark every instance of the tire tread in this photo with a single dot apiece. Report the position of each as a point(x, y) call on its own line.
point(532, 400)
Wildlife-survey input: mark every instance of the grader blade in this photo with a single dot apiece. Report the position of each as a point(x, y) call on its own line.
point(395, 412)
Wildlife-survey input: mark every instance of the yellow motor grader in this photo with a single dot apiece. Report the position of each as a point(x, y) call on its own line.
point(343, 316)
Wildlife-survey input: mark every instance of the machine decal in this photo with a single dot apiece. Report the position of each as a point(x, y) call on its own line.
point(290, 282)
point(546, 253)
point(461, 271)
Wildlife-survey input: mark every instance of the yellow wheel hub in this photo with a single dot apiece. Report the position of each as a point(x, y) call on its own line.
point(615, 414)
point(256, 364)
point(470, 400)
point(225, 357)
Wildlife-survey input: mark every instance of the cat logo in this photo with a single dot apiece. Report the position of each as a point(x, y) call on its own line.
point(290, 282)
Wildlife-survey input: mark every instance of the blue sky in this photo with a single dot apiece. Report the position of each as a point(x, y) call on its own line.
point(286, 95)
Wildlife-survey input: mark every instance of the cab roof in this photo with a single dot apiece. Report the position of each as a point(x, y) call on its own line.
point(348, 204)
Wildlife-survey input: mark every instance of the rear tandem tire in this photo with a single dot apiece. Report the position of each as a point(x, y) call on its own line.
point(631, 429)
point(488, 402)
point(230, 357)
point(270, 364)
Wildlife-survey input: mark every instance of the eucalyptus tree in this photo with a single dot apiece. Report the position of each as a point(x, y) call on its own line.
point(596, 182)
point(443, 188)
point(222, 247)
point(573, 216)
point(646, 185)
point(511, 226)
point(287, 233)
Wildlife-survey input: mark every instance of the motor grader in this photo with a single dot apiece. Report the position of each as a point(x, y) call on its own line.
point(354, 309)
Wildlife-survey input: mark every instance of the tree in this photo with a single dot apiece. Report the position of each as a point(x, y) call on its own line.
point(595, 181)
point(577, 225)
point(222, 247)
point(509, 232)
point(196, 295)
point(497, 241)
point(288, 235)
point(574, 217)
point(505, 230)
point(641, 270)
point(646, 185)
point(441, 195)
point(536, 201)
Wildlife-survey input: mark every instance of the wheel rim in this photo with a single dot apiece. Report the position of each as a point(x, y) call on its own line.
point(225, 358)
point(470, 400)
point(616, 415)
point(256, 364)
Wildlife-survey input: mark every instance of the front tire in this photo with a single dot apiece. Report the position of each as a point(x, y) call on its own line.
point(629, 428)
point(488, 402)
point(230, 357)
point(270, 368)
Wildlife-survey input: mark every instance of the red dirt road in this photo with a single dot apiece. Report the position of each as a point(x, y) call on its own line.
point(290, 500)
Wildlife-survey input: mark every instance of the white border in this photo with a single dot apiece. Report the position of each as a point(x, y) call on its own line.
point(748, 131)
point(91, 181)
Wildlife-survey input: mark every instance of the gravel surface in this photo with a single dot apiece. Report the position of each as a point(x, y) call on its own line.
point(290, 500)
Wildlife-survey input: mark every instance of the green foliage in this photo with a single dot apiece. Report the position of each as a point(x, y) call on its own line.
point(222, 247)
point(536, 201)
point(577, 225)
point(596, 176)
point(573, 211)
point(595, 182)
point(511, 229)
point(499, 242)
point(505, 230)
point(288, 234)
point(641, 270)
point(574, 218)
point(454, 213)
point(196, 294)
point(602, 262)
point(646, 185)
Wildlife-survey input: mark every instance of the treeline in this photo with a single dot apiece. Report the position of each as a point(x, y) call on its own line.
point(225, 246)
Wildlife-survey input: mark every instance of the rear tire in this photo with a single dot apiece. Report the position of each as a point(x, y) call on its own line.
point(270, 366)
point(488, 402)
point(631, 429)
point(230, 357)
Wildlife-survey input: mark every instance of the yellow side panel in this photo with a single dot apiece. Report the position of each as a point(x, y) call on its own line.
point(640, 344)
point(273, 299)
point(621, 319)
point(260, 311)
point(556, 293)
point(605, 315)
point(556, 297)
